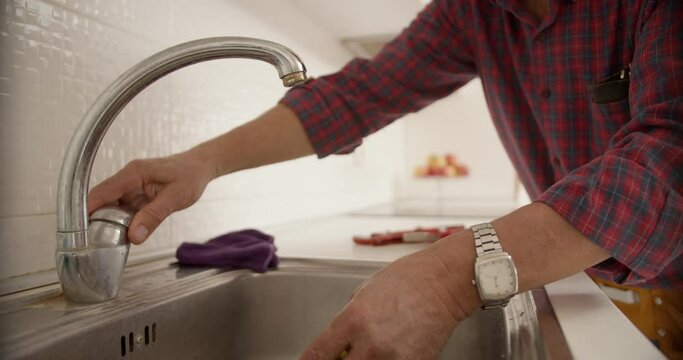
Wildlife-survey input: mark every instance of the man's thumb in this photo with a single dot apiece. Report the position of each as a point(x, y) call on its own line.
point(149, 218)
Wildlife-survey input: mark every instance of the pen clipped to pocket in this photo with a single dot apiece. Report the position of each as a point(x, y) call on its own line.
point(612, 88)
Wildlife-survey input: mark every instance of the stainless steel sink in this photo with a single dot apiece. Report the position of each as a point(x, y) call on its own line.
point(169, 312)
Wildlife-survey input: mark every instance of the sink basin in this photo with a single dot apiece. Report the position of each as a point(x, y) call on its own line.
point(169, 312)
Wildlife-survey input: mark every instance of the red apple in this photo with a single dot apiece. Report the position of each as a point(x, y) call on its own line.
point(462, 170)
point(450, 159)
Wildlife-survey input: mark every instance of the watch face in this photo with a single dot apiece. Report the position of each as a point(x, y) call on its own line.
point(496, 277)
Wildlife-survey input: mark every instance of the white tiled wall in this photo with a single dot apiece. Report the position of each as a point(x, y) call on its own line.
point(57, 55)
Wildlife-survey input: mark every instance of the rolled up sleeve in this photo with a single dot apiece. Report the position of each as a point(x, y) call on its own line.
point(629, 200)
point(418, 67)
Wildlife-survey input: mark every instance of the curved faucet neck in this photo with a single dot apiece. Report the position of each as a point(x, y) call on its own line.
point(72, 217)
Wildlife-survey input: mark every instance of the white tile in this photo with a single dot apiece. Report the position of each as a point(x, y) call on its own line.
point(28, 244)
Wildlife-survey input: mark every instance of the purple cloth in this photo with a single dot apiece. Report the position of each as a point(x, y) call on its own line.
point(245, 249)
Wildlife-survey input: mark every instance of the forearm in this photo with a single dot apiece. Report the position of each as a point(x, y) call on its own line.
point(275, 136)
point(543, 245)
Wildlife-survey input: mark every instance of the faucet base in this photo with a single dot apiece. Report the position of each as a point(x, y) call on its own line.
point(91, 275)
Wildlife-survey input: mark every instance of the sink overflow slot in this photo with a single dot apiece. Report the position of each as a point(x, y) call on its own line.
point(128, 342)
point(123, 346)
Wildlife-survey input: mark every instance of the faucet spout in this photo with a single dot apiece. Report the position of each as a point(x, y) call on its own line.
point(90, 263)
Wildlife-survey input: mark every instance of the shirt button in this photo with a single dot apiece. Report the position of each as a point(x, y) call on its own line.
point(540, 36)
point(545, 93)
point(557, 164)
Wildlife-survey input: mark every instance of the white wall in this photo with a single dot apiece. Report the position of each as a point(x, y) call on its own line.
point(459, 124)
point(57, 55)
point(361, 18)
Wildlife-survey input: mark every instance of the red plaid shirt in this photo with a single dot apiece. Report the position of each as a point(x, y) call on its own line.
point(613, 169)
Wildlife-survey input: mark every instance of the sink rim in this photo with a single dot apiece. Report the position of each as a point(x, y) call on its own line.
point(539, 322)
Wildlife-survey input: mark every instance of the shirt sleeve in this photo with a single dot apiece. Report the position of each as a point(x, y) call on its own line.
point(629, 200)
point(427, 61)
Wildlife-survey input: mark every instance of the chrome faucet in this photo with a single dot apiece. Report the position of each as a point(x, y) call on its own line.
point(91, 257)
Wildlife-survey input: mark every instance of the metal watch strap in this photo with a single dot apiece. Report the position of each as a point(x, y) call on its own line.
point(486, 241)
point(485, 238)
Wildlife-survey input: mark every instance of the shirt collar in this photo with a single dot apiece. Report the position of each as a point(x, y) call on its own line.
point(519, 10)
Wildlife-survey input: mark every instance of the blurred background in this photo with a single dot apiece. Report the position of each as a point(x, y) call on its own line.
point(58, 55)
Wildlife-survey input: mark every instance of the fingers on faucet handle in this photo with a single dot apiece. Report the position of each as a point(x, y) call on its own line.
point(153, 214)
point(127, 180)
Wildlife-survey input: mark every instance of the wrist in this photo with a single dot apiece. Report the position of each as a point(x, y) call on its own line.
point(208, 159)
point(455, 255)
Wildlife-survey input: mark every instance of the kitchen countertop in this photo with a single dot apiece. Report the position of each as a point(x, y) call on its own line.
point(593, 326)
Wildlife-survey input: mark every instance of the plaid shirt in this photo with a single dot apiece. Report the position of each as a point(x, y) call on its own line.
point(613, 168)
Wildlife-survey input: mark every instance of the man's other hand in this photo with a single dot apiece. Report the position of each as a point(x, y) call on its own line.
point(407, 310)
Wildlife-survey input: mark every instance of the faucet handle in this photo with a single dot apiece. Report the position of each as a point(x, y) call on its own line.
point(109, 226)
point(116, 214)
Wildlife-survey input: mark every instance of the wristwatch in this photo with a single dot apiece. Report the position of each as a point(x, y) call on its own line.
point(495, 274)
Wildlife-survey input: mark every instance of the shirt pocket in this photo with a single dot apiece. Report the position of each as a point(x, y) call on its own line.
point(613, 88)
point(610, 109)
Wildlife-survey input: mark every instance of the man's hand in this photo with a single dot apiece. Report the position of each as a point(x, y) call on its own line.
point(154, 187)
point(407, 310)
point(159, 187)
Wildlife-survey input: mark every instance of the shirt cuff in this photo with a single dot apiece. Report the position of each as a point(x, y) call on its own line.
point(327, 131)
point(636, 225)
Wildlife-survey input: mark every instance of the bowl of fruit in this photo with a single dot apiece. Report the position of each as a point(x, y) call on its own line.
point(441, 166)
